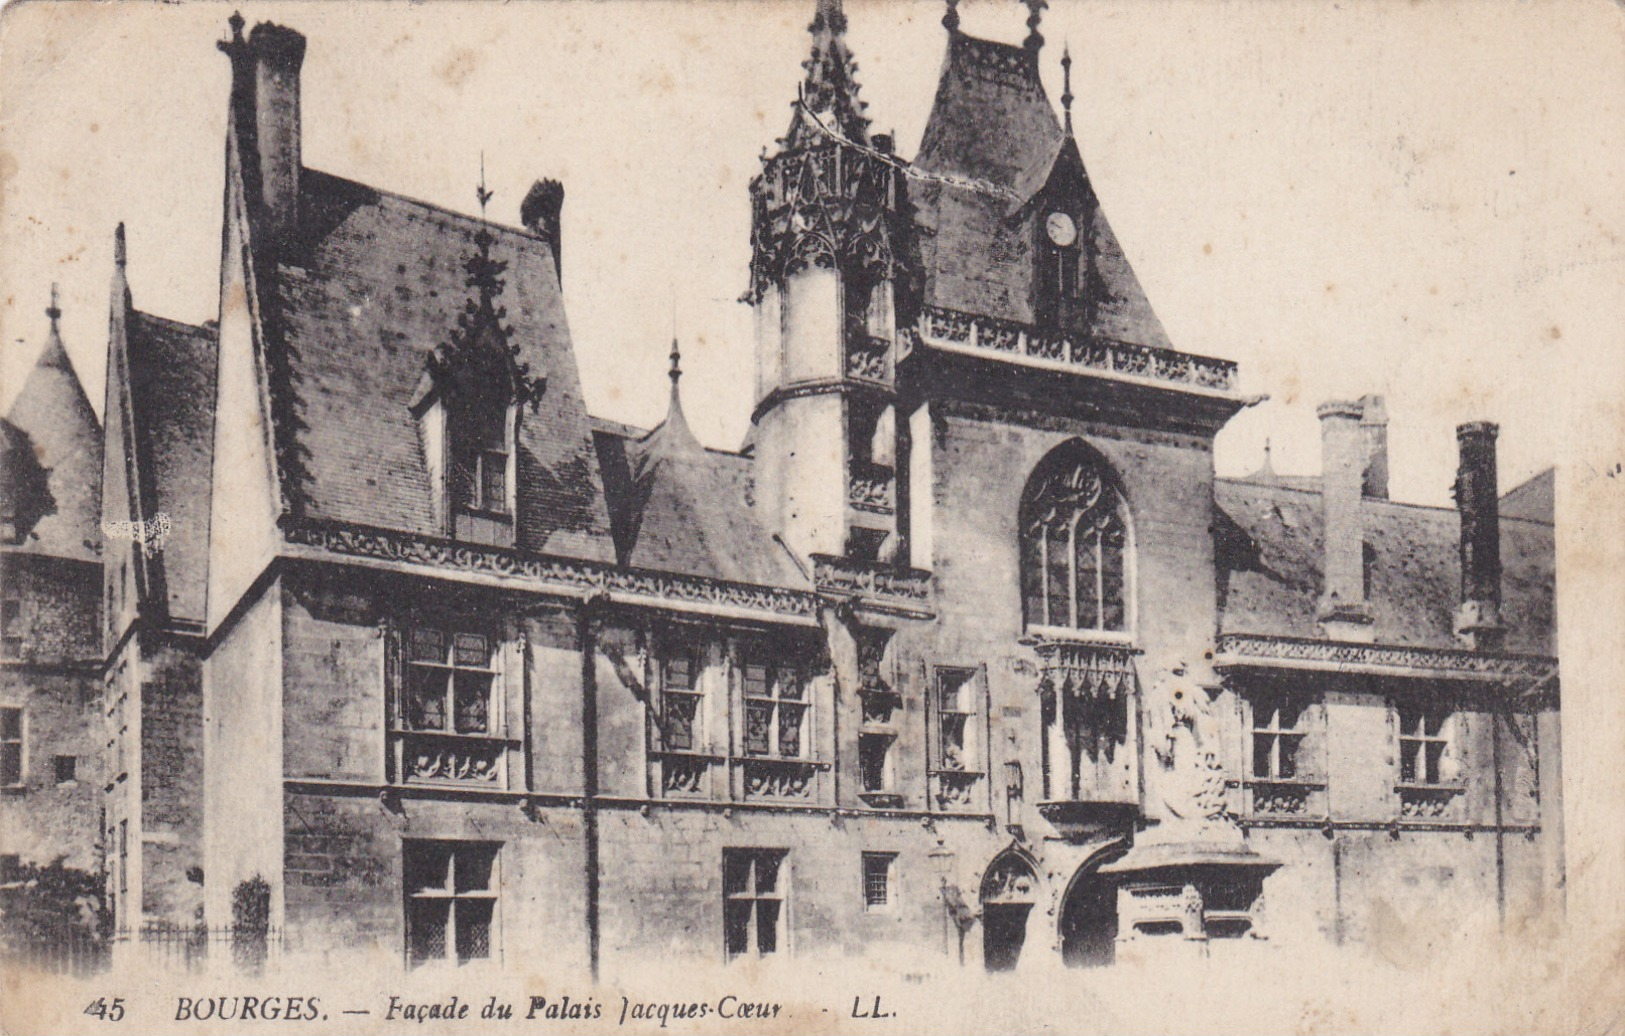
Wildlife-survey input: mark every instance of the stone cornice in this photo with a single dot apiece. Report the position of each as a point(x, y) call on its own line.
point(1248, 650)
point(572, 577)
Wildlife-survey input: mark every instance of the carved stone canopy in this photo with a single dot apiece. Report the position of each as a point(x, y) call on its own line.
point(1094, 671)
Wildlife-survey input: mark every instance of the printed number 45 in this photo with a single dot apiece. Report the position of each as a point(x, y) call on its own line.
point(108, 1012)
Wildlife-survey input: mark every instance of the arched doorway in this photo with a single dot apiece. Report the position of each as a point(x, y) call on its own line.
point(1008, 892)
point(1089, 920)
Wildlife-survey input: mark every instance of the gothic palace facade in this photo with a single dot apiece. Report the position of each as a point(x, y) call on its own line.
point(967, 650)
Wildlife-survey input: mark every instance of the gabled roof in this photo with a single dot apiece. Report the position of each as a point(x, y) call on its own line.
point(1270, 552)
point(66, 439)
point(680, 507)
point(172, 389)
point(993, 155)
point(373, 284)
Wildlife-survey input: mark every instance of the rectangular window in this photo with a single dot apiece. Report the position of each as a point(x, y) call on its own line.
point(493, 481)
point(1278, 737)
point(451, 899)
point(67, 768)
point(11, 868)
point(775, 709)
point(877, 869)
point(875, 761)
point(753, 903)
point(449, 682)
point(681, 698)
point(11, 625)
point(11, 746)
point(123, 856)
point(956, 710)
point(1424, 744)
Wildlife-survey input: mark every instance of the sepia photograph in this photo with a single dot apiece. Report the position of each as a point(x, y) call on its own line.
point(812, 516)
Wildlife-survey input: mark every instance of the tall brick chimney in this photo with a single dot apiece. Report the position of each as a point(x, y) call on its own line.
point(1342, 612)
point(1374, 429)
point(265, 117)
point(540, 212)
point(1478, 620)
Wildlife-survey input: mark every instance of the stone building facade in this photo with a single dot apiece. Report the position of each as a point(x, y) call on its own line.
point(967, 650)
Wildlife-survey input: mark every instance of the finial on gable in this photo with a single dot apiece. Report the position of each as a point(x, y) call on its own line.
point(118, 246)
point(1066, 85)
point(1035, 15)
point(480, 192)
point(54, 311)
point(950, 17)
point(676, 371)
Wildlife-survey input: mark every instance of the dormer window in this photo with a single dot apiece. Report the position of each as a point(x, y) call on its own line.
point(1058, 289)
point(468, 407)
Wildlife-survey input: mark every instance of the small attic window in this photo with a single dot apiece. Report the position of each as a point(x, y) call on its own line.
point(480, 433)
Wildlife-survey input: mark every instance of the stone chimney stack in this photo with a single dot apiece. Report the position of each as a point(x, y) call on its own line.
point(1478, 621)
point(1374, 429)
point(265, 115)
point(541, 213)
point(1342, 611)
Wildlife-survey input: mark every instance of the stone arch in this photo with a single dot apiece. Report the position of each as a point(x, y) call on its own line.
point(1010, 889)
point(1087, 919)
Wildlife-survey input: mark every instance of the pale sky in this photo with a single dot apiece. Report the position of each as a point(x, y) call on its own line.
point(1420, 200)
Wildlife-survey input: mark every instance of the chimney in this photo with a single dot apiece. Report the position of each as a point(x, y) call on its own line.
point(540, 213)
point(1374, 430)
point(265, 114)
point(1478, 621)
point(1342, 611)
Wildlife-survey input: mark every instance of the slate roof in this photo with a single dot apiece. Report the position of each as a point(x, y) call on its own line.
point(992, 149)
point(54, 414)
point(375, 282)
point(172, 388)
point(1534, 499)
point(1269, 545)
point(679, 507)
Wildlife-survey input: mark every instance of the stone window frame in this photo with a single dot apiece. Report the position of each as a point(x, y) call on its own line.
point(1428, 733)
point(1310, 724)
point(428, 756)
point(11, 618)
point(878, 874)
point(745, 901)
point(1075, 470)
point(881, 780)
point(956, 782)
point(694, 651)
point(774, 702)
point(461, 857)
point(13, 746)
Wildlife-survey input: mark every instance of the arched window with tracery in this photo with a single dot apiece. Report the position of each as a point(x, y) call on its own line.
point(1074, 545)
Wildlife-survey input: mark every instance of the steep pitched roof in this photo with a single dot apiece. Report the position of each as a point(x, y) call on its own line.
point(55, 415)
point(1269, 544)
point(680, 507)
point(1534, 499)
point(172, 383)
point(993, 153)
point(374, 283)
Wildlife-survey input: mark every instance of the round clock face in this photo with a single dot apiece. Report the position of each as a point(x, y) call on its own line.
point(1062, 231)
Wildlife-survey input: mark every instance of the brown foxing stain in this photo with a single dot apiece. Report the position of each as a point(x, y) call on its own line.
point(1554, 332)
point(456, 69)
point(1207, 249)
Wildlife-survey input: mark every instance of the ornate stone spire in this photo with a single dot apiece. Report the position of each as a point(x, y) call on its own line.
point(830, 90)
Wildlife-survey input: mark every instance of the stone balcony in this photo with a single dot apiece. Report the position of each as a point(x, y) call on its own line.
point(1081, 353)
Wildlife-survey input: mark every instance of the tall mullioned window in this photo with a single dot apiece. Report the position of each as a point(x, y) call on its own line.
point(681, 697)
point(754, 892)
point(449, 681)
point(11, 746)
point(1425, 750)
point(451, 901)
point(1074, 546)
point(776, 708)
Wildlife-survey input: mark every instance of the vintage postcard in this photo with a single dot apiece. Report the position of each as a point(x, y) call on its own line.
point(802, 516)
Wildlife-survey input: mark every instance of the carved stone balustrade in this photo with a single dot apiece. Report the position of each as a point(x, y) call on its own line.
point(953, 329)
